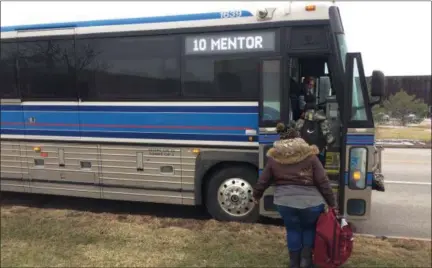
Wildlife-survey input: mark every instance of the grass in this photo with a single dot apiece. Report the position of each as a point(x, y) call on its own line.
point(58, 237)
point(412, 133)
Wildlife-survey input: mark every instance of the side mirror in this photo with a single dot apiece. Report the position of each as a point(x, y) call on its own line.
point(378, 84)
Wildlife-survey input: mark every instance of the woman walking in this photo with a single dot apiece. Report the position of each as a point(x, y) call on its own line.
point(302, 189)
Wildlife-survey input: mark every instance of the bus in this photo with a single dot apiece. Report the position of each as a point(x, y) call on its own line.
point(181, 109)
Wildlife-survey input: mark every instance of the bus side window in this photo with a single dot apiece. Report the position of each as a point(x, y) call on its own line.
point(8, 76)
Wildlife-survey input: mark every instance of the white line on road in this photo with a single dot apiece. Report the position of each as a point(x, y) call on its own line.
point(408, 182)
point(393, 237)
point(404, 161)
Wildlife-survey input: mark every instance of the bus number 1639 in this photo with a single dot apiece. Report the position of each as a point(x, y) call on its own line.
point(231, 14)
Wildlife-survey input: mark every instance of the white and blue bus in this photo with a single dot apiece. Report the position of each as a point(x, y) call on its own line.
point(180, 109)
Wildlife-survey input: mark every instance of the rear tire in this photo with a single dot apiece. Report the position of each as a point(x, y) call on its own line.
point(229, 195)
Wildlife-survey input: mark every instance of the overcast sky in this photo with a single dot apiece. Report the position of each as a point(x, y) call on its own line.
point(394, 37)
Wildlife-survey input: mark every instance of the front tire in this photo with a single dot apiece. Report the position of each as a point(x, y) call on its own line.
point(229, 195)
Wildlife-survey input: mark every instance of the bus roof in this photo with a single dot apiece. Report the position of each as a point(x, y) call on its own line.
point(286, 13)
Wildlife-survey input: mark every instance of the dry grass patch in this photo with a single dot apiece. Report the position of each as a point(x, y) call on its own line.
point(413, 133)
point(58, 237)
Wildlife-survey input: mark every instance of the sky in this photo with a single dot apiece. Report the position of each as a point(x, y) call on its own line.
point(394, 37)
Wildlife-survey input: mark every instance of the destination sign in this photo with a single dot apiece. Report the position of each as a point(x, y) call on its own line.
point(230, 43)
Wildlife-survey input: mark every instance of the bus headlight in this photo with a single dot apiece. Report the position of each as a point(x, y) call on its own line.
point(356, 175)
point(357, 168)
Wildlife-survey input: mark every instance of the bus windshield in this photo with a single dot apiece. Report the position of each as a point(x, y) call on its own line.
point(343, 48)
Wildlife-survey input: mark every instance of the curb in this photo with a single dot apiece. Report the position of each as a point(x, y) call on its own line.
point(384, 237)
point(398, 143)
point(406, 146)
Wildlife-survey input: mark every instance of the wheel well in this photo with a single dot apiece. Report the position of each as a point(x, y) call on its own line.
point(216, 168)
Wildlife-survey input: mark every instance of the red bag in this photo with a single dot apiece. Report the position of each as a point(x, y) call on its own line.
point(333, 240)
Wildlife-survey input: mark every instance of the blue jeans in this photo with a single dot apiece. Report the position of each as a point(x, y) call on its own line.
point(300, 225)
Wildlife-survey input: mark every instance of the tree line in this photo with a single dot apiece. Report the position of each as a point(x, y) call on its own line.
point(407, 99)
point(417, 85)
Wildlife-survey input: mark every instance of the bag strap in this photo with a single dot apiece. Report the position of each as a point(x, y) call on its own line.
point(328, 209)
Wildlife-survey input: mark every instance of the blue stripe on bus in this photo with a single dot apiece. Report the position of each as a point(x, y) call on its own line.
point(16, 118)
point(369, 178)
point(355, 139)
point(127, 21)
point(201, 120)
point(140, 122)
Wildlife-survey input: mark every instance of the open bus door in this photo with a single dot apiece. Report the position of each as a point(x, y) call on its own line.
point(357, 143)
point(273, 108)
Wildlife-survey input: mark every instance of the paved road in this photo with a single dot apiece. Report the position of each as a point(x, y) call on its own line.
point(404, 209)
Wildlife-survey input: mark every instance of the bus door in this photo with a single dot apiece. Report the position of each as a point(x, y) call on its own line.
point(273, 108)
point(357, 146)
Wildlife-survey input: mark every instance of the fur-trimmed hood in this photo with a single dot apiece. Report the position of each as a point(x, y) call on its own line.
point(291, 151)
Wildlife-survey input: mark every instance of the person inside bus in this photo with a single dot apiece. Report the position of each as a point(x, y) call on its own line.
point(301, 192)
point(314, 127)
point(298, 92)
point(307, 90)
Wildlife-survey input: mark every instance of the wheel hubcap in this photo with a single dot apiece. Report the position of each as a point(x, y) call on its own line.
point(235, 197)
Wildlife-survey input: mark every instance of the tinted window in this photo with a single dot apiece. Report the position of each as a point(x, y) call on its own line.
point(212, 78)
point(132, 68)
point(271, 90)
point(358, 104)
point(47, 69)
point(8, 86)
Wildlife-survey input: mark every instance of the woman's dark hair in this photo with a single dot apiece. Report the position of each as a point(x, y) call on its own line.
point(287, 132)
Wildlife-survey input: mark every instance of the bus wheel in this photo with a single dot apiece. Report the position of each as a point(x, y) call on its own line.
point(229, 195)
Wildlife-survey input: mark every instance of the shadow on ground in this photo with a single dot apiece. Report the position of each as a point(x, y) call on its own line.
point(111, 206)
